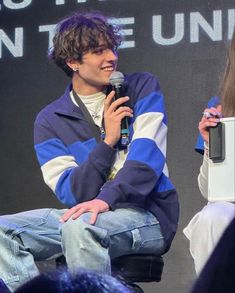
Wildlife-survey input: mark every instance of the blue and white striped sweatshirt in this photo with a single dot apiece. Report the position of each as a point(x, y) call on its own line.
point(77, 168)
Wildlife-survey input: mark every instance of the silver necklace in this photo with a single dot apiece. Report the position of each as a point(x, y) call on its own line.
point(94, 114)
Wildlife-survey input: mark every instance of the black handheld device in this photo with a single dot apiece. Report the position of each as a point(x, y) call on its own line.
point(216, 143)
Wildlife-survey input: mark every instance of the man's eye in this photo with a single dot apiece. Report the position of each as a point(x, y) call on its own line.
point(98, 51)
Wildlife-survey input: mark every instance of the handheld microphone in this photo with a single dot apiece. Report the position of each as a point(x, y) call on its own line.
point(117, 80)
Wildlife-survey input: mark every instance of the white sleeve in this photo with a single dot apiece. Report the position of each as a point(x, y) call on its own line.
point(203, 177)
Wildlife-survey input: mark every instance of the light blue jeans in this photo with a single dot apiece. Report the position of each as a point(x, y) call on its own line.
point(38, 235)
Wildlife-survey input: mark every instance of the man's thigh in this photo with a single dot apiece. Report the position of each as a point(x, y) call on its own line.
point(131, 231)
point(36, 230)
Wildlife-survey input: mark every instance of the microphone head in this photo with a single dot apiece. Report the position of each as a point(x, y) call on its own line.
point(116, 78)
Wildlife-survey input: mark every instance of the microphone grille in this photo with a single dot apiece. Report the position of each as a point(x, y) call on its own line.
point(116, 78)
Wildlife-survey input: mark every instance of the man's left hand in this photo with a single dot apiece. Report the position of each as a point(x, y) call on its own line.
point(94, 206)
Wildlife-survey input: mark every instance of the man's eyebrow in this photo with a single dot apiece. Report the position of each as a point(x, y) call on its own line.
point(101, 46)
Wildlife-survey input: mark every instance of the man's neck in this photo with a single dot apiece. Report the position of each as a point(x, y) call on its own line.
point(86, 90)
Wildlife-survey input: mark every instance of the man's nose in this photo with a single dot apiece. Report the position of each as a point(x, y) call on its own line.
point(111, 55)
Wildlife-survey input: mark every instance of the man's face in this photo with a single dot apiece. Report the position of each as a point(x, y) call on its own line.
point(95, 69)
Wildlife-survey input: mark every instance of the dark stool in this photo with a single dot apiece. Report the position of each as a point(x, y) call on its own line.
point(133, 268)
point(138, 267)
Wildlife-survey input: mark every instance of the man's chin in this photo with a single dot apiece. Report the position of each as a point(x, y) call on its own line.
point(106, 80)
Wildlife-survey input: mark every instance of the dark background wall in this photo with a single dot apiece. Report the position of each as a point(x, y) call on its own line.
point(189, 71)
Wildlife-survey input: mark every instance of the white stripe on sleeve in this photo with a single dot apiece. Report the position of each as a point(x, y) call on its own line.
point(53, 169)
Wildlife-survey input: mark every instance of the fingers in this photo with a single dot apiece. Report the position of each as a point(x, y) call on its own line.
point(68, 214)
point(117, 111)
point(207, 122)
point(108, 100)
point(211, 117)
point(212, 112)
point(75, 212)
point(110, 105)
point(122, 112)
point(116, 104)
point(123, 109)
point(93, 217)
point(94, 206)
point(204, 124)
point(219, 108)
point(123, 115)
point(78, 213)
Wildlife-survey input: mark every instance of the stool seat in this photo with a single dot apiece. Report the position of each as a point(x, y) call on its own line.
point(133, 268)
point(138, 267)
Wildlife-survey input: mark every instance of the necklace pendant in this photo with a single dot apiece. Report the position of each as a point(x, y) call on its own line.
point(95, 116)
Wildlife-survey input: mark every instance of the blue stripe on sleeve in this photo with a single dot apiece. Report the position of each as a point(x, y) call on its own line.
point(151, 103)
point(81, 150)
point(49, 150)
point(63, 189)
point(145, 150)
point(199, 147)
point(213, 102)
point(164, 184)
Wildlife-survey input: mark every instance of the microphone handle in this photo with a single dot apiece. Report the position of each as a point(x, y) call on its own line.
point(124, 139)
point(124, 132)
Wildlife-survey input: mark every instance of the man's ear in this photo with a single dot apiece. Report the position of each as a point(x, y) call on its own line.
point(74, 65)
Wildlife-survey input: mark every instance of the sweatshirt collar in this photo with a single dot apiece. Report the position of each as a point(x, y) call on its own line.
point(66, 107)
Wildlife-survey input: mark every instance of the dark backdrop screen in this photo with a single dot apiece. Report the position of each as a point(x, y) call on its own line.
point(182, 42)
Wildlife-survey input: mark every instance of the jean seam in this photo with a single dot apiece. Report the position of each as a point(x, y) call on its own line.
point(131, 228)
point(14, 276)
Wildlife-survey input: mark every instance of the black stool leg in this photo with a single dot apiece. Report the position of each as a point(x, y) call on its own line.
point(135, 288)
point(132, 286)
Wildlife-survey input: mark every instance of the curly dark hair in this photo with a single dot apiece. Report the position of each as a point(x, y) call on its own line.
point(80, 33)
